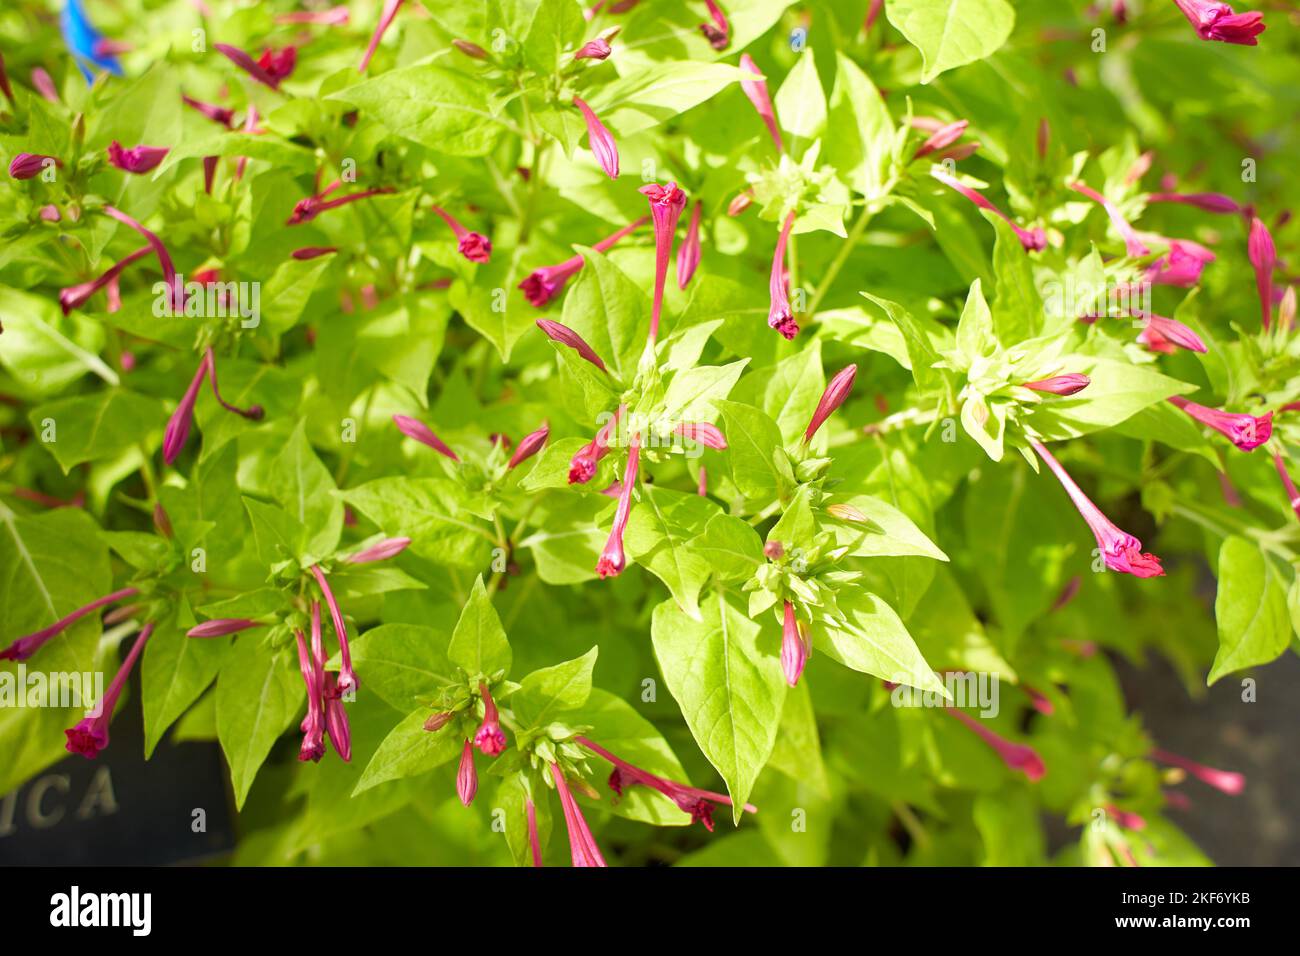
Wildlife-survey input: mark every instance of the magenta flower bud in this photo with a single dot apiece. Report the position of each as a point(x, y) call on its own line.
point(467, 775)
point(160, 250)
point(795, 647)
point(1165, 335)
point(414, 428)
point(5, 88)
point(386, 18)
point(1182, 266)
point(774, 550)
point(472, 245)
point(307, 253)
point(220, 627)
point(252, 413)
point(44, 84)
point(612, 559)
point(347, 677)
point(710, 436)
point(336, 720)
point(1209, 202)
point(542, 285)
point(137, 159)
point(50, 213)
point(698, 803)
point(75, 296)
point(278, 64)
point(756, 91)
point(1133, 245)
point(529, 446)
point(490, 738)
point(582, 467)
point(718, 33)
point(688, 254)
point(1293, 496)
point(534, 841)
point(1223, 780)
point(1070, 384)
point(437, 721)
point(1038, 700)
point(471, 50)
point(218, 114)
point(380, 551)
point(942, 138)
point(1245, 431)
point(305, 210)
point(1263, 258)
point(31, 165)
point(24, 647)
point(1119, 549)
point(837, 391)
point(178, 425)
point(596, 49)
point(582, 845)
point(1129, 821)
point(602, 143)
point(1217, 21)
point(557, 332)
point(779, 314)
point(666, 205)
point(1033, 240)
point(1016, 756)
point(246, 63)
point(90, 735)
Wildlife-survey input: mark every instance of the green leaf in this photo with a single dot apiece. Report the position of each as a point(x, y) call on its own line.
point(862, 148)
point(693, 393)
point(800, 103)
point(403, 662)
point(611, 312)
point(731, 547)
point(656, 535)
point(259, 693)
point(752, 440)
point(730, 692)
point(428, 511)
point(890, 533)
point(920, 348)
point(436, 107)
point(867, 635)
point(651, 96)
point(792, 390)
point(975, 327)
point(548, 691)
point(175, 670)
point(478, 644)
point(100, 425)
point(306, 489)
point(1117, 391)
point(952, 33)
point(409, 750)
point(1252, 609)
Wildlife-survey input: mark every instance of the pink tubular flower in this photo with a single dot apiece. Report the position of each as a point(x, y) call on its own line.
point(137, 159)
point(698, 803)
point(24, 647)
point(1209, 202)
point(414, 428)
point(756, 90)
point(380, 551)
point(1033, 240)
point(1182, 266)
point(542, 285)
point(311, 666)
point(75, 296)
point(582, 845)
point(252, 67)
point(602, 143)
point(490, 738)
point(529, 446)
point(718, 33)
point(558, 332)
point(31, 165)
point(1292, 495)
point(710, 436)
point(1263, 258)
point(582, 467)
point(307, 253)
point(1217, 21)
point(164, 259)
point(347, 677)
point(386, 17)
point(1016, 756)
point(1070, 384)
point(942, 138)
point(336, 720)
point(220, 627)
point(596, 49)
point(467, 775)
point(837, 391)
point(472, 245)
point(218, 114)
point(278, 64)
point(90, 735)
point(1133, 245)
point(305, 210)
point(1164, 335)
point(1224, 780)
point(1245, 431)
point(666, 205)
point(688, 254)
point(534, 841)
point(1129, 821)
point(5, 88)
point(1038, 700)
point(178, 425)
point(612, 559)
point(333, 17)
point(795, 648)
point(1119, 549)
point(779, 314)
